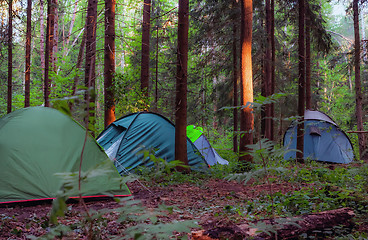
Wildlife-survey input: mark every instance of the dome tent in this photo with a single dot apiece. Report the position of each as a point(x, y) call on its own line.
point(126, 138)
point(195, 134)
point(36, 144)
point(323, 140)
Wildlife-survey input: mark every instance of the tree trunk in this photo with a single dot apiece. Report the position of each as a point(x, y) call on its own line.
point(27, 76)
point(273, 76)
point(90, 64)
point(145, 47)
point(286, 228)
point(109, 61)
point(308, 93)
point(268, 74)
point(10, 57)
point(181, 85)
point(156, 82)
point(49, 48)
point(56, 35)
point(235, 83)
point(358, 88)
point(246, 79)
point(78, 65)
point(301, 87)
point(42, 40)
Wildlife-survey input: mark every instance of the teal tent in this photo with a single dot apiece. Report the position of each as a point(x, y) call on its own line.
point(195, 134)
point(127, 138)
point(323, 140)
point(37, 144)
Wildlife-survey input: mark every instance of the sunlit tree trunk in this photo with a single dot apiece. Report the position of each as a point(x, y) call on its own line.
point(10, 57)
point(358, 88)
point(246, 79)
point(109, 61)
point(90, 63)
point(27, 78)
point(301, 85)
point(145, 47)
point(181, 85)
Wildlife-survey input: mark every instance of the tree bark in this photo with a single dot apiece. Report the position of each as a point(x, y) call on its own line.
point(246, 79)
point(56, 35)
point(49, 49)
point(90, 64)
point(308, 223)
point(273, 64)
point(109, 61)
point(42, 39)
point(301, 87)
point(27, 76)
point(10, 57)
point(181, 85)
point(268, 73)
point(358, 88)
point(78, 65)
point(308, 92)
point(156, 82)
point(146, 25)
point(235, 84)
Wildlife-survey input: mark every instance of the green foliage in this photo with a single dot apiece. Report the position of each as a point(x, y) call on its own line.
point(161, 166)
point(138, 221)
point(130, 96)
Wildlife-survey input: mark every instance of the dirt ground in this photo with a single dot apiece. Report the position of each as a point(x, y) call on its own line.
point(207, 202)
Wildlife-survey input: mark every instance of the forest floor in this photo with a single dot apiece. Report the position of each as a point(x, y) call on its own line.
point(213, 203)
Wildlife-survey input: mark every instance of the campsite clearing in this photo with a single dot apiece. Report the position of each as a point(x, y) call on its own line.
point(213, 203)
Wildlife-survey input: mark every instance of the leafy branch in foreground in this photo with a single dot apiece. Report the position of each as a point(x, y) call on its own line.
point(137, 221)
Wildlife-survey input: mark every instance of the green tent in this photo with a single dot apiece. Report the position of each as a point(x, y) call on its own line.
point(37, 143)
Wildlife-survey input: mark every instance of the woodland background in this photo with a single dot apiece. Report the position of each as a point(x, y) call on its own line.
point(213, 40)
point(304, 55)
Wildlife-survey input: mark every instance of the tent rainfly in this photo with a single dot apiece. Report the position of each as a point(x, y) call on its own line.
point(127, 138)
point(323, 140)
point(36, 144)
point(195, 134)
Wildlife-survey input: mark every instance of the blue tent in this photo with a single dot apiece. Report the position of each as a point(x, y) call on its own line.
point(195, 134)
point(125, 140)
point(323, 140)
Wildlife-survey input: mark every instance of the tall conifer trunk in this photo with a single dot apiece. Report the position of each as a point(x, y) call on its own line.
point(51, 5)
point(268, 74)
point(27, 78)
point(308, 92)
point(109, 70)
point(235, 91)
point(235, 83)
point(273, 76)
point(10, 57)
point(301, 85)
point(146, 25)
point(358, 88)
point(181, 85)
point(246, 79)
point(42, 39)
point(90, 64)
